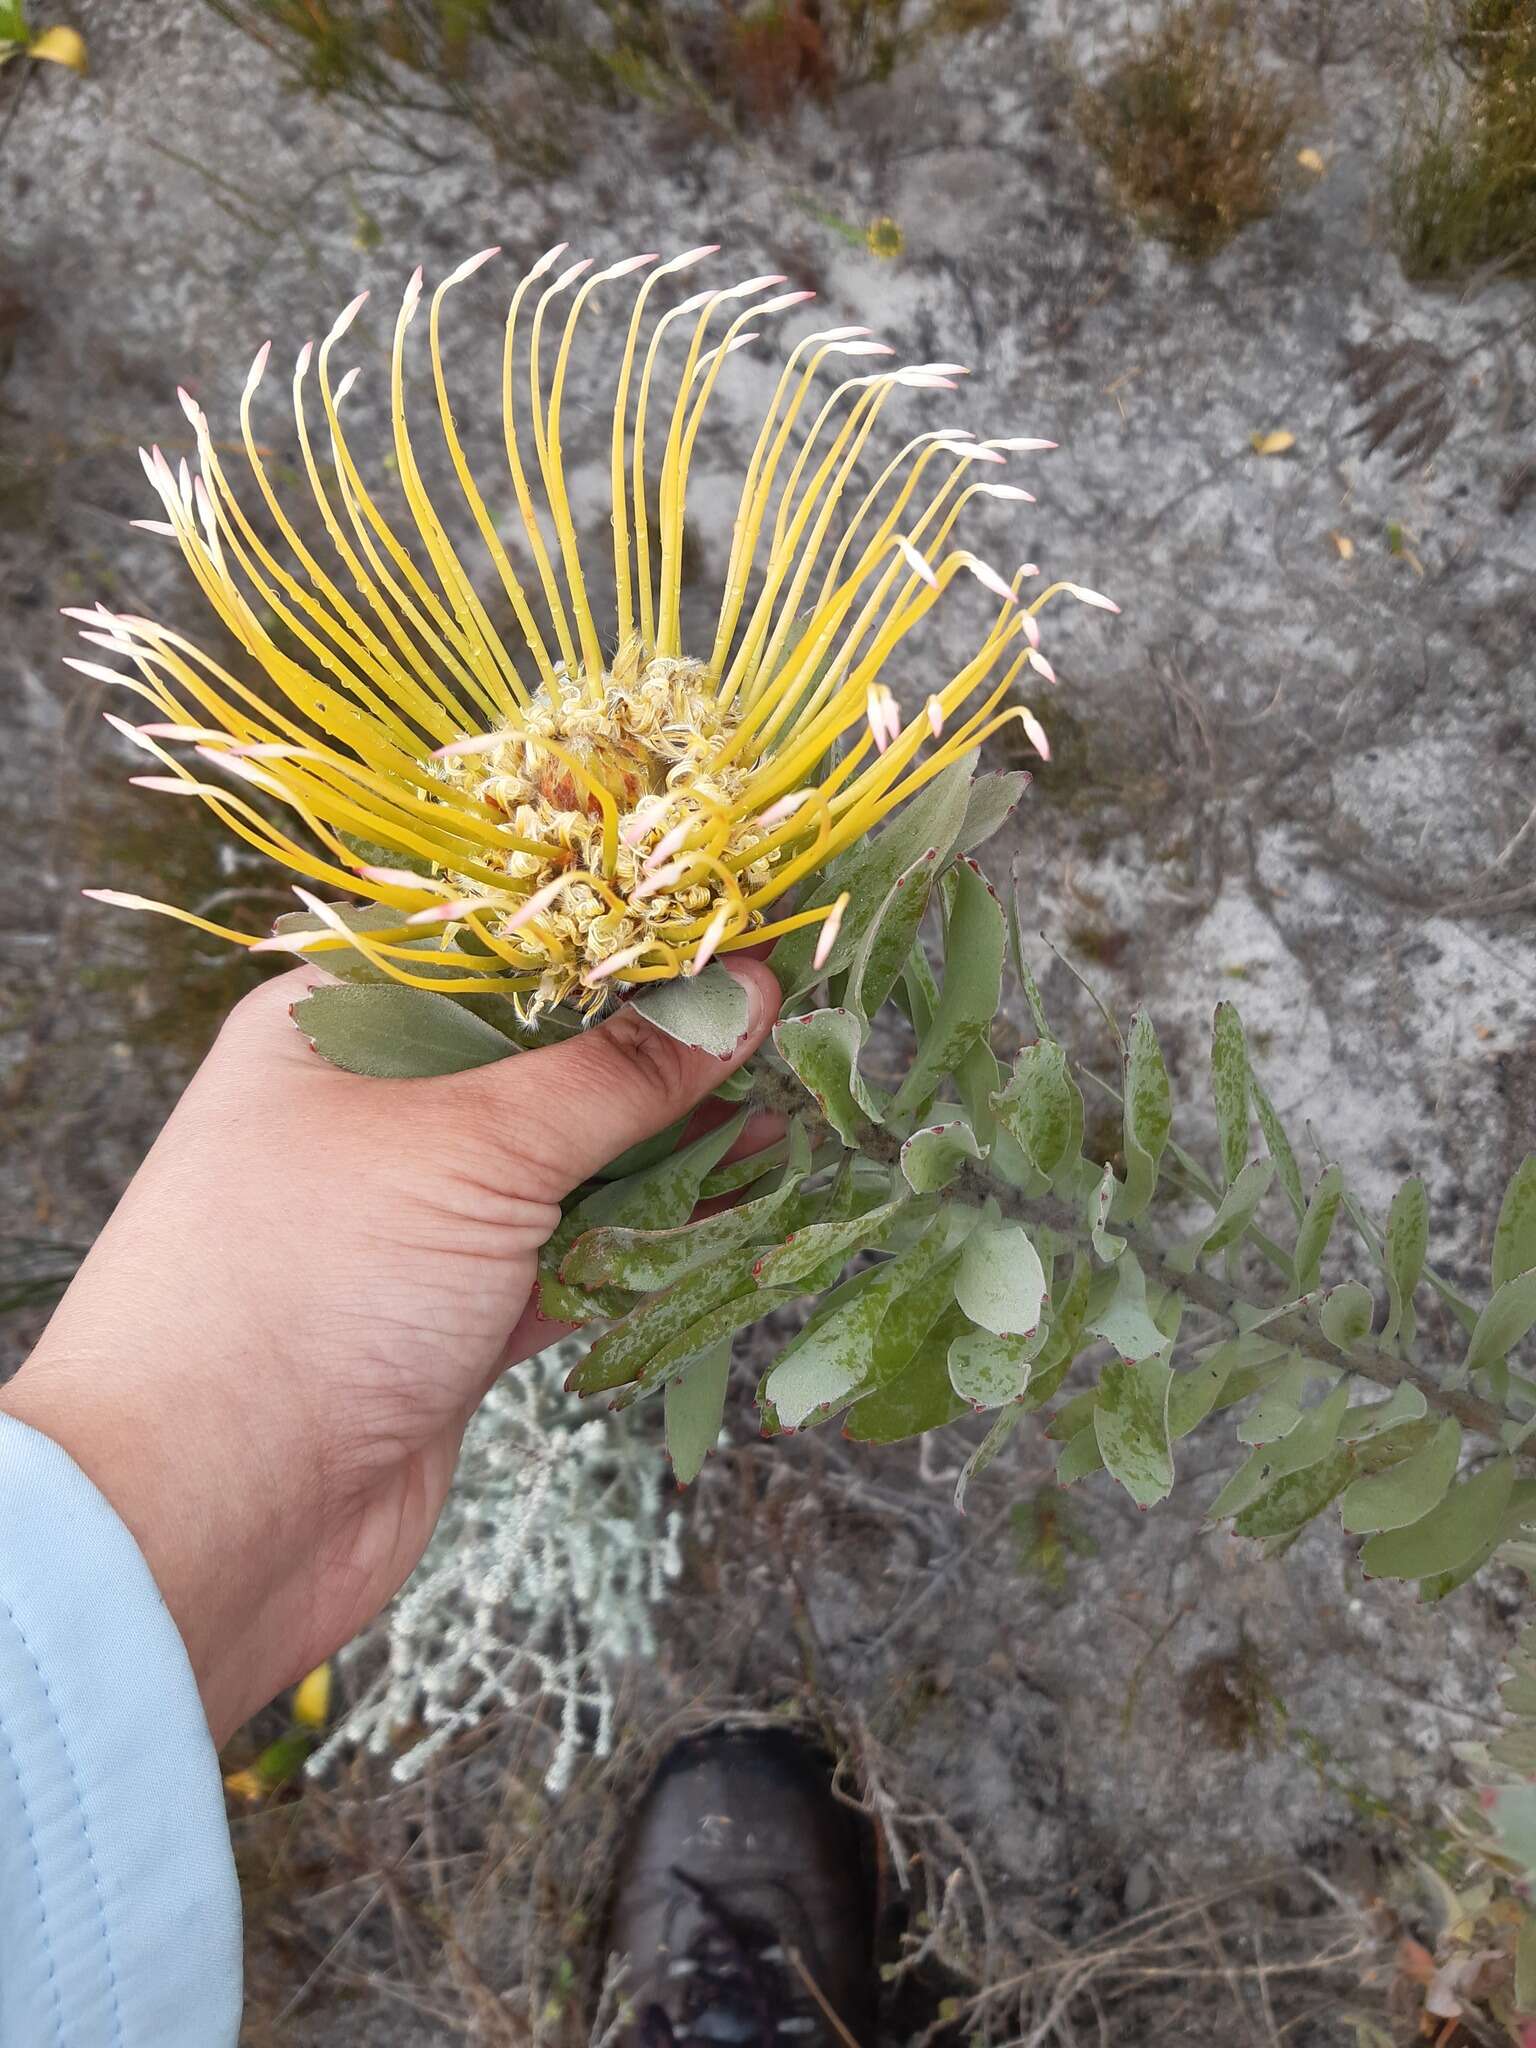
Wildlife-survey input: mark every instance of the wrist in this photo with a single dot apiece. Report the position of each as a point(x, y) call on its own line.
point(194, 1490)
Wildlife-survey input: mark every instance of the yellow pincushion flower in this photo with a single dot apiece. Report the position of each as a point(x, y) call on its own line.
point(586, 803)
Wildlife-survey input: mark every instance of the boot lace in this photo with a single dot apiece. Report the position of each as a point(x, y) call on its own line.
point(737, 1986)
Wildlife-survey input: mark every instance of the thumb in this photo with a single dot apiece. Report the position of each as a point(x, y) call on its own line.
point(578, 1105)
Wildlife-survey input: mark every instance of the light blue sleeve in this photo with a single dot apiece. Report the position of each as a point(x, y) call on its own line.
point(119, 1909)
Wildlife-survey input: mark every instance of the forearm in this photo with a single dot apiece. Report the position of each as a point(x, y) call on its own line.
point(136, 1471)
point(183, 1459)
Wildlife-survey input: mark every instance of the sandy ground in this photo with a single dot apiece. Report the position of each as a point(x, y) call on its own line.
point(1282, 775)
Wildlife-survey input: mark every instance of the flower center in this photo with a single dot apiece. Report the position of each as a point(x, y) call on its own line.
point(648, 841)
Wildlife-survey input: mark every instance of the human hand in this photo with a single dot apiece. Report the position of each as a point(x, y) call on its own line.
point(269, 1357)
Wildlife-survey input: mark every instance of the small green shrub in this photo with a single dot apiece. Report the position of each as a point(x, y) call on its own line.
point(1464, 184)
point(1191, 130)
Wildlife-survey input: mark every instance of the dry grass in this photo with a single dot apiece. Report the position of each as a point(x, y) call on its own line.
point(471, 1901)
point(1464, 185)
point(466, 1897)
point(468, 1900)
point(1257, 1961)
point(521, 71)
point(1191, 129)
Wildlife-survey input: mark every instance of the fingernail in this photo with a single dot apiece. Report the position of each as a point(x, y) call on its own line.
point(757, 998)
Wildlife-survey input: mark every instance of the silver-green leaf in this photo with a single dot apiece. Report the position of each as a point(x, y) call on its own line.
point(935, 1155)
point(831, 1361)
point(1502, 1324)
point(717, 1325)
point(1372, 1419)
point(694, 1410)
point(1001, 1282)
point(394, 1033)
point(1469, 1518)
point(822, 1050)
point(994, 1440)
point(1278, 1410)
point(1080, 1456)
point(1131, 1426)
point(1238, 1207)
point(1514, 1237)
point(659, 1197)
point(968, 999)
point(348, 963)
point(790, 1263)
point(707, 1010)
point(994, 799)
point(1313, 1439)
point(1148, 1118)
point(867, 870)
point(1229, 1089)
point(1277, 1144)
point(622, 1353)
point(988, 1371)
point(1101, 1202)
point(880, 956)
point(1042, 1110)
point(1407, 1242)
point(1316, 1228)
point(644, 1260)
point(1404, 1493)
point(1124, 1320)
point(1346, 1314)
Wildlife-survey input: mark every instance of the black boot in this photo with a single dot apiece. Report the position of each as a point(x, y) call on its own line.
point(744, 1905)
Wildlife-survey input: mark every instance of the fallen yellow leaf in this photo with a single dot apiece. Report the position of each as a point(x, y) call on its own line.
point(1344, 544)
point(1275, 443)
point(312, 1698)
point(59, 46)
point(1310, 160)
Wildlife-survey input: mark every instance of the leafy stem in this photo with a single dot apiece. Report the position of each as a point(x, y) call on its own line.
point(778, 1092)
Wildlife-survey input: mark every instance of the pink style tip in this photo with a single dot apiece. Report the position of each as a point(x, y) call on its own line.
point(668, 844)
point(707, 945)
point(1037, 738)
point(917, 563)
point(118, 899)
point(1091, 597)
point(829, 932)
point(475, 743)
point(532, 905)
point(468, 267)
point(444, 913)
point(394, 878)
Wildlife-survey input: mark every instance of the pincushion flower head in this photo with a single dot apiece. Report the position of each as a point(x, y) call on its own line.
point(568, 797)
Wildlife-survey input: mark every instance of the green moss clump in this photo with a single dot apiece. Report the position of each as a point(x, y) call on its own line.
point(1464, 184)
point(1047, 1537)
point(1229, 1699)
point(1191, 130)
